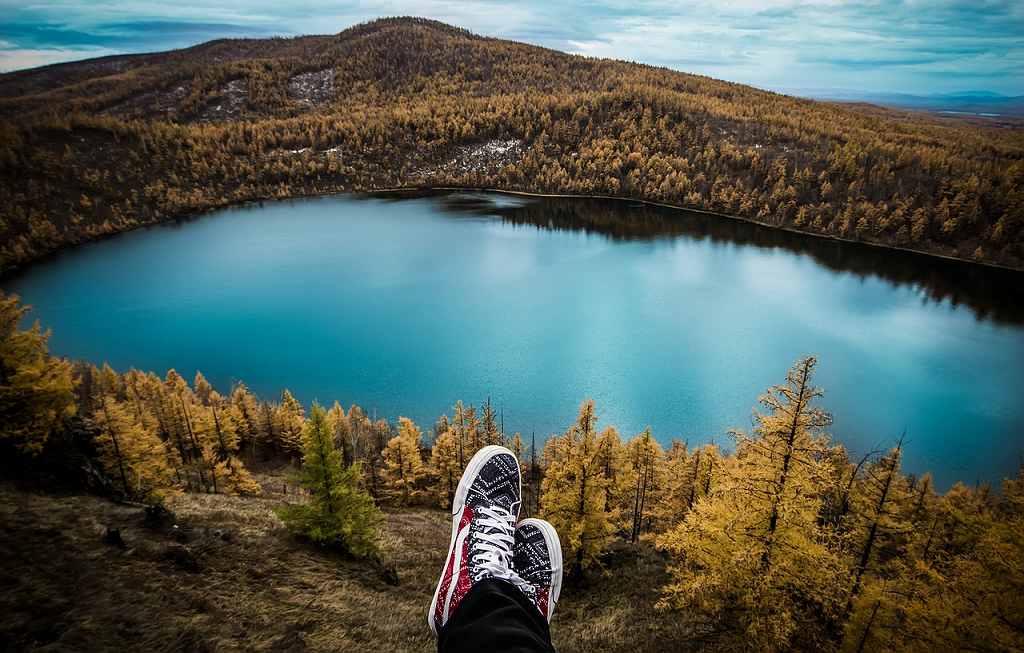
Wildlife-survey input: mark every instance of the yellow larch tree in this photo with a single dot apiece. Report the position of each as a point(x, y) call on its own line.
point(245, 413)
point(444, 463)
point(515, 444)
point(229, 473)
point(403, 466)
point(181, 405)
point(640, 479)
point(337, 422)
point(573, 494)
point(670, 500)
point(36, 390)
point(132, 454)
point(880, 516)
point(290, 420)
point(610, 459)
point(489, 431)
point(751, 556)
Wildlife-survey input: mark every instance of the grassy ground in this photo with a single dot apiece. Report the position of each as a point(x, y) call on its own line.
point(224, 575)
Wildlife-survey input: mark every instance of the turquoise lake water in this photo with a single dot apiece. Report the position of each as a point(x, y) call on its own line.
point(664, 318)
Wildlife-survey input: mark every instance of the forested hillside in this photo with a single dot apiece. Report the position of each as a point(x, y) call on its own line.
point(101, 146)
point(780, 540)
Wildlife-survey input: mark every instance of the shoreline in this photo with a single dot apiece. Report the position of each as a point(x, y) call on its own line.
point(676, 207)
point(20, 268)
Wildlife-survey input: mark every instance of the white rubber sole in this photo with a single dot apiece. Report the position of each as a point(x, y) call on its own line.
point(478, 460)
point(555, 547)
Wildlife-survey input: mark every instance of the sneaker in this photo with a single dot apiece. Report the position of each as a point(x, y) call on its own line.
point(484, 514)
point(537, 559)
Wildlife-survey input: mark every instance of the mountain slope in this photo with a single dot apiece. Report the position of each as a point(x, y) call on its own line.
point(96, 147)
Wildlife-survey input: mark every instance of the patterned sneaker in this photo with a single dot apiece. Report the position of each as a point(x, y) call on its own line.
point(484, 514)
point(537, 559)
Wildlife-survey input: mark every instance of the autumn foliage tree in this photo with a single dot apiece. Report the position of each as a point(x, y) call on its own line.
point(444, 463)
point(573, 493)
point(131, 453)
point(35, 389)
point(403, 465)
point(640, 481)
point(752, 553)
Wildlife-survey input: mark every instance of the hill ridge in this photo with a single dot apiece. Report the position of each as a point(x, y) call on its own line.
point(401, 102)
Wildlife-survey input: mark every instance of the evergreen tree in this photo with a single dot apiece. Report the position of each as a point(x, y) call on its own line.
point(339, 512)
point(36, 390)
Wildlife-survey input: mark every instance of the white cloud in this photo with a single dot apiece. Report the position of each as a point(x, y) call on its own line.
point(18, 59)
point(872, 45)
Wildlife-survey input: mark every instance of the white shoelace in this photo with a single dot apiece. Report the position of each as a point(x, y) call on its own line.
point(491, 548)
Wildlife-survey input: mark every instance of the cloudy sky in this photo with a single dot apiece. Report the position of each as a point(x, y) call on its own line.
point(908, 46)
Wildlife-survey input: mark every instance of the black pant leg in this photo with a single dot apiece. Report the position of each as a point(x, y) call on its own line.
point(495, 617)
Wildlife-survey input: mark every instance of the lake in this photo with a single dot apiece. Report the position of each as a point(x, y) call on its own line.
point(405, 304)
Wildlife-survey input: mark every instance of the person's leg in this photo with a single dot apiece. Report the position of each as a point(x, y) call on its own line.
point(484, 514)
point(495, 617)
point(481, 602)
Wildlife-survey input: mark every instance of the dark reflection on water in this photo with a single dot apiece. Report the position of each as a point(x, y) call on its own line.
point(990, 293)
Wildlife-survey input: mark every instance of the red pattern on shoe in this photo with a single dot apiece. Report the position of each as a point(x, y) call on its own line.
point(537, 560)
point(543, 594)
point(452, 569)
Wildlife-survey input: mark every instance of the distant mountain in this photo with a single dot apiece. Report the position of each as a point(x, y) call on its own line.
point(973, 102)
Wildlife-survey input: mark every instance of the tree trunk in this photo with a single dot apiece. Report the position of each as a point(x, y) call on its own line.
point(117, 447)
point(865, 555)
point(867, 628)
point(780, 487)
point(197, 453)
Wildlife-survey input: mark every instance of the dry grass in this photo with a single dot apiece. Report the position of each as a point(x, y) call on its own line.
point(229, 577)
